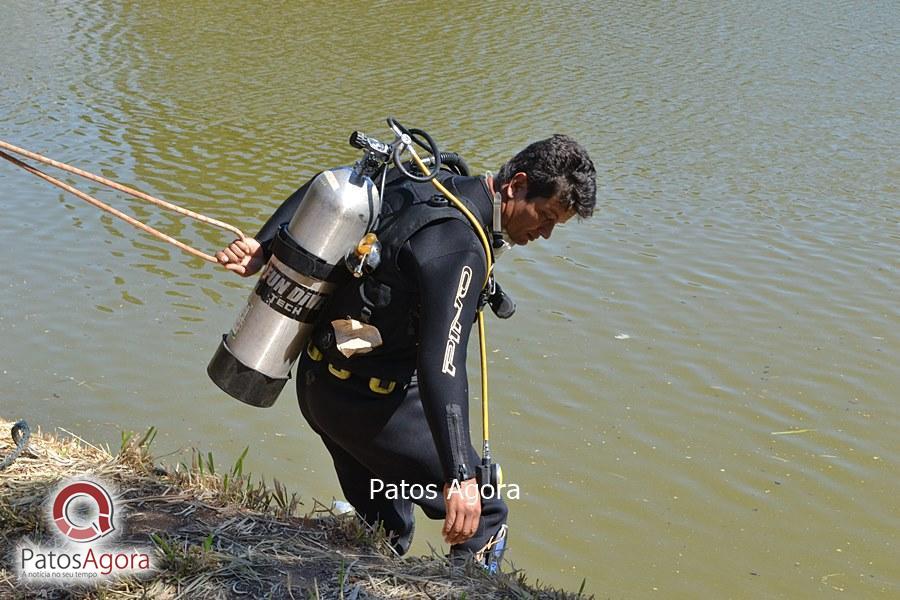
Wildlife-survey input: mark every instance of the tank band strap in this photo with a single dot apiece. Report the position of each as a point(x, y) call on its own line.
point(293, 255)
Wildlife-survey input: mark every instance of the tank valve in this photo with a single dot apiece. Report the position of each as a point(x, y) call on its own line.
point(366, 257)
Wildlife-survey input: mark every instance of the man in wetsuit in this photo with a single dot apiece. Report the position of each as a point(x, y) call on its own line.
point(397, 416)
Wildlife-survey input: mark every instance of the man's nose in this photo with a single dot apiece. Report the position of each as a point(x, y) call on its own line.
point(546, 231)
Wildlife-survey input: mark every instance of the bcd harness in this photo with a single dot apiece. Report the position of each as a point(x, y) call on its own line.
point(384, 298)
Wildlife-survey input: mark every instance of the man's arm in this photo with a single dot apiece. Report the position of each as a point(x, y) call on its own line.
point(246, 257)
point(450, 269)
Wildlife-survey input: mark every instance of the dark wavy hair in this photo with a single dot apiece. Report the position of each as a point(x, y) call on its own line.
point(560, 165)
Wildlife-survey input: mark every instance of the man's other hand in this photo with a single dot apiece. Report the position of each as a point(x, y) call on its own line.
point(463, 511)
point(244, 257)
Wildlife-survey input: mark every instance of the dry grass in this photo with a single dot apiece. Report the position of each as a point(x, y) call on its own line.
point(220, 535)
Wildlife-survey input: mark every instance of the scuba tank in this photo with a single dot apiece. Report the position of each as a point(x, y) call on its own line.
point(253, 361)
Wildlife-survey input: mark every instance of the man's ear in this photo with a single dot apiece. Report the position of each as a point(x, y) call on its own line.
point(518, 186)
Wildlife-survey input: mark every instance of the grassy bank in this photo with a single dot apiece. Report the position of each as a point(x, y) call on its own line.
point(219, 534)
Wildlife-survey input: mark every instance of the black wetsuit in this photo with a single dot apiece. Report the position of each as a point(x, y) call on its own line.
point(423, 299)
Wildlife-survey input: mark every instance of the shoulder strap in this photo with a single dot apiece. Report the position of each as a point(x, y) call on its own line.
point(410, 207)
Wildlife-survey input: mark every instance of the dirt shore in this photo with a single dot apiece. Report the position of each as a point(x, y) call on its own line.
point(215, 533)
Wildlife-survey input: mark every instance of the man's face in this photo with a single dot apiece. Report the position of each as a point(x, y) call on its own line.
point(526, 220)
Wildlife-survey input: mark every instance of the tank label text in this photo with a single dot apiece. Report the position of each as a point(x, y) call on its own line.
point(288, 297)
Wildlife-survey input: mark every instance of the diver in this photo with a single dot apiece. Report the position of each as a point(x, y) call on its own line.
point(383, 378)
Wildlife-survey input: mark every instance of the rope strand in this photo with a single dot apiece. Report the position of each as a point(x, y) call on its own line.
point(20, 434)
point(122, 188)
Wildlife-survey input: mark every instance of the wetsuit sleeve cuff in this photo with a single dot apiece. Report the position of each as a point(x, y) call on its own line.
point(461, 472)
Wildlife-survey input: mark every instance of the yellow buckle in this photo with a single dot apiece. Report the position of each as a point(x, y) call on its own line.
point(339, 373)
point(376, 385)
point(313, 352)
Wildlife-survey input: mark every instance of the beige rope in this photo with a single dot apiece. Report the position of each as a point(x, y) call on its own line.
point(122, 188)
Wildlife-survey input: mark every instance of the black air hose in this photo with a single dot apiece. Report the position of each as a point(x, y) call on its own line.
point(453, 161)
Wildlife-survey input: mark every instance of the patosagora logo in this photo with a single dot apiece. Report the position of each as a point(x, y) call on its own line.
point(82, 518)
point(96, 498)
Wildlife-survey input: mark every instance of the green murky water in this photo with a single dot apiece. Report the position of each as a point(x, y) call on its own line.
point(698, 396)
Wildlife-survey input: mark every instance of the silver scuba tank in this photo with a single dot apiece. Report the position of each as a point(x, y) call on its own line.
point(254, 359)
